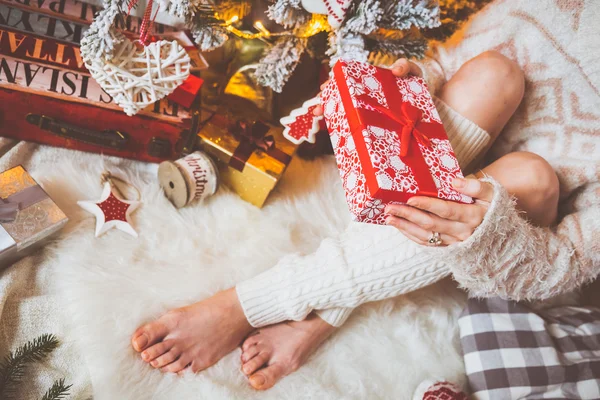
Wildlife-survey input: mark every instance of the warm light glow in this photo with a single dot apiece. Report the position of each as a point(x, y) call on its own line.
point(317, 24)
point(261, 28)
point(233, 20)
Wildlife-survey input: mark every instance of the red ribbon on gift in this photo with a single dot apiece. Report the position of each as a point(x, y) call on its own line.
point(252, 136)
point(407, 120)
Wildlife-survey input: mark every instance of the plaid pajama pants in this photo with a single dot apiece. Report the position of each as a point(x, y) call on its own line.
point(512, 352)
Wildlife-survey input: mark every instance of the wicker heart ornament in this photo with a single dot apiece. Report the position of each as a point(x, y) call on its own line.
point(136, 78)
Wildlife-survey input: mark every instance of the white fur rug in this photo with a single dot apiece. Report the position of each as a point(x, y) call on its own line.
point(106, 287)
point(113, 284)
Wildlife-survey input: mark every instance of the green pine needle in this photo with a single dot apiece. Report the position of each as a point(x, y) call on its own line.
point(58, 391)
point(12, 368)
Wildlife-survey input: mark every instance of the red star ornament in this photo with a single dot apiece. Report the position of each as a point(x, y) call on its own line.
point(302, 125)
point(111, 212)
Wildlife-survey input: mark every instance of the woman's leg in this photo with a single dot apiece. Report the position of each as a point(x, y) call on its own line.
point(193, 336)
point(487, 90)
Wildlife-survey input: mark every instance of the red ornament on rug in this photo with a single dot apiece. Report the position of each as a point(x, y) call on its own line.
point(389, 141)
point(444, 391)
point(111, 211)
point(302, 125)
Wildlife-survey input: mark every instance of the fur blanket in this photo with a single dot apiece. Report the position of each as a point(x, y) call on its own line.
point(102, 289)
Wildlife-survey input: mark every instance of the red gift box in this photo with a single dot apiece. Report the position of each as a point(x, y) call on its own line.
point(186, 93)
point(389, 141)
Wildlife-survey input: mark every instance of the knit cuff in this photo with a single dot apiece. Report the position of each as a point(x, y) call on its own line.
point(335, 316)
point(497, 243)
point(259, 298)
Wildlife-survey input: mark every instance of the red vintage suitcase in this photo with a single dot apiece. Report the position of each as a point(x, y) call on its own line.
point(78, 126)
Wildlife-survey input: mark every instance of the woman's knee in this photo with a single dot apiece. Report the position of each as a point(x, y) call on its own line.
point(499, 74)
point(532, 180)
point(487, 90)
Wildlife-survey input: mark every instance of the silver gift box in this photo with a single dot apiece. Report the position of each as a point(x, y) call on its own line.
point(28, 216)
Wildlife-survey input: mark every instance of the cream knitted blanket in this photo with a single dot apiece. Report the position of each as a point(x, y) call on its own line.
point(94, 292)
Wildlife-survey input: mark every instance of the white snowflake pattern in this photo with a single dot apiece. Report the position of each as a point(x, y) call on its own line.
point(413, 90)
point(373, 208)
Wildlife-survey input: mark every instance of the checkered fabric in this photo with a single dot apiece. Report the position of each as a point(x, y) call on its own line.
point(512, 352)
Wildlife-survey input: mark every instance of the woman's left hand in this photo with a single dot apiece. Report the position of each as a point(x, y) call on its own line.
point(423, 217)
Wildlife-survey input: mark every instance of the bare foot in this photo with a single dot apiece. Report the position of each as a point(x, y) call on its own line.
point(278, 350)
point(197, 336)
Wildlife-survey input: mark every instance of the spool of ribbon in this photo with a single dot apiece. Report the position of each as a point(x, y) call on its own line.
point(10, 206)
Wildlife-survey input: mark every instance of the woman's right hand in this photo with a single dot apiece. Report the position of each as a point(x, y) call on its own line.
point(400, 68)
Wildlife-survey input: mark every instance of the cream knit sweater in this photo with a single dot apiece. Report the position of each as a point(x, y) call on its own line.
point(366, 263)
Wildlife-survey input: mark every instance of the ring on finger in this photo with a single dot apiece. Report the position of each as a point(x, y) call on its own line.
point(435, 239)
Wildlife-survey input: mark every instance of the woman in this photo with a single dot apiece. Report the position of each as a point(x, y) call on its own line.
point(369, 263)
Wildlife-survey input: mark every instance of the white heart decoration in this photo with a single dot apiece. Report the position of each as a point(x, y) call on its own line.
point(137, 78)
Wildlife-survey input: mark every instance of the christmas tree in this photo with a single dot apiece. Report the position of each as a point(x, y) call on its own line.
point(360, 30)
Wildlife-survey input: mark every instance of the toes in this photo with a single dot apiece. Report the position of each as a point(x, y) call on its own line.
point(267, 377)
point(165, 359)
point(148, 335)
point(255, 363)
point(176, 366)
point(157, 350)
point(250, 341)
point(250, 354)
point(197, 366)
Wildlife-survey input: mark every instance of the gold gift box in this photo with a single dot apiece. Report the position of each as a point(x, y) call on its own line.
point(36, 220)
point(259, 174)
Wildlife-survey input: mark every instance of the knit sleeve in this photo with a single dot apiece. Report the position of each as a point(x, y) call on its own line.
point(335, 316)
point(366, 263)
point(524, 262)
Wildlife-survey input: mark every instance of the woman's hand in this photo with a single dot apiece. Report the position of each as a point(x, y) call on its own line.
point(454, 222)
point(400, 68)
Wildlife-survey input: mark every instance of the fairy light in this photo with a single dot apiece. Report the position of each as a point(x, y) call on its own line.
point(317, 24)
point(261, 28)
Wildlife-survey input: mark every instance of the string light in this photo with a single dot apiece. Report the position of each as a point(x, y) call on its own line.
point(261, 28)
point(317, 25)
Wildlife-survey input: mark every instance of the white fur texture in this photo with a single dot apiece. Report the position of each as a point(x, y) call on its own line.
point(113, 284)
point(106, 287)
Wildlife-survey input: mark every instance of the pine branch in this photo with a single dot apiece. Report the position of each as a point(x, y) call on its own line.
point(99, 41)
point(407, 46)
point(288, 13)
point(280, 61)
point(58, 391)
point(12, 368)
point(405, 14)
point(209, 37)
point(365, 17)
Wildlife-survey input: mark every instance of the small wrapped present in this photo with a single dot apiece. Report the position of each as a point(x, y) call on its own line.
point(251, 156)
point(27, 215)
point(389, 141)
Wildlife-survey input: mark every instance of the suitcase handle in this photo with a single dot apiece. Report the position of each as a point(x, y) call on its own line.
point(107, 138)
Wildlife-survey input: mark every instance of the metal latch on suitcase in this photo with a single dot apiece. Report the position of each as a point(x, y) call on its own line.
point(108, 138)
